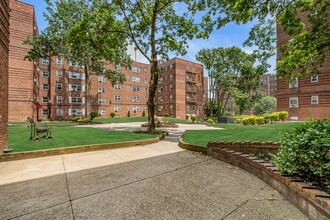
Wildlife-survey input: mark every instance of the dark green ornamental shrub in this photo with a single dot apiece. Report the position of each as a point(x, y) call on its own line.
point(112, 114)
point(94, 115)
point(144, 113)
point(128, 113)
point(306, 150)
point(166, 115)
point(187, 116)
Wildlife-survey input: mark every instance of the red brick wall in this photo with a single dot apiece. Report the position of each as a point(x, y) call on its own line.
point(305, 90)
point(21, 73)
point(4, 48)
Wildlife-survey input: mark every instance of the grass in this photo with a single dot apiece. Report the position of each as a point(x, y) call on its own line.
point(18, 138)
point(121, 120)
point(177, 120)
point(43, 123)
point(233, 132)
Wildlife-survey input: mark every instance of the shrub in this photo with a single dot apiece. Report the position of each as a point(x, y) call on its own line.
point(305, 150)
point(283, 115)
point(112, 114)
point(77, 118)
point(260, 120)
point(94, 115)
point(238, 121)
point(266, 117)
point(210, 121)
point(144, 113)
point(85, 120)
point(187, 116)
point(252, 120)
point(193, 118)
point(80, 120)
point(245, 121)
point(128, 113)
point(166, 115)
point(274, 117)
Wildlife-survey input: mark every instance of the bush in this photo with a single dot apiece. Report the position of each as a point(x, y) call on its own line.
point(77, 118)
point(260, 120)
point(166, 115)
point(187, 116)
point(144, 113)
point(112, 114)
point(305, 150)
point(128, 113)
point(238, 121)
point(80, 120)
point(274, 117)
point(85, 120)
point(283, 115)
point(245, 121)
point(252, 120)
point(266, 117)
point(210, 121)
point(193, 118)
point(94, 115)
point(265, 105)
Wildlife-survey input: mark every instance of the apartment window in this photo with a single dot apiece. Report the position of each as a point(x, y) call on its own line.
point(45, 61)
point(314, 78)
point(171, 66)
point(101, 90)
point(102, 101)
point(145, 71)
point(165, 88)
point(166, 78)
point(76, 100)
point(171, 107)
point(45, 86)
point(146, 99)
point(76, 88)
point(136, 98)
point(117, 66)
point(171, 98)
point(136, 108)
point(136, 89)
point(171, 87)
point(187, 67)
point(145, 89)
point(59, 99)
point(171, 77)
point(160, 108)
point(160, 99)
point(45, 112)
point(45, 99)
point(314, 100)
point(59, 60)
point(194, 107)
point(145, 80)
point(135, 79)
point(293, 102)
point(293, 83)
point(117, 87)
point(117, 108)
point(160, 89)
point(59, 112)
point(101, 79)
point(59, 73)
point(79, 112)
point(166, 98)
point(188, 107)
point(76, 75)
point(117, 97)
point(146, 108)
point(45, 73)
point(135, 69)
point(128, 97)
point(59, 86)
point(101, 112)
point(128, 107)
point(160, 80)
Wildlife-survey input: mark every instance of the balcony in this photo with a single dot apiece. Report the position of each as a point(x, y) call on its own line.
point(191, 90)
point(191, 80)
point(192, 100)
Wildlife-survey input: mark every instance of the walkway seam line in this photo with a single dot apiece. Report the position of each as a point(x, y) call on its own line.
point(67, 186)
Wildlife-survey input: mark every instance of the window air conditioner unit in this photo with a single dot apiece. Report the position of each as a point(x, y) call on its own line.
point(293, 106)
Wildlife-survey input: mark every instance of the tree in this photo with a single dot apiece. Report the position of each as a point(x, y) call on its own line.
point(265, 105)
point(76, 31)
point(155, 28)
point(235, 75)
point(309, 46)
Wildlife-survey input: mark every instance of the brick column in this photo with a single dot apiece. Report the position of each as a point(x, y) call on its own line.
point(4, 50)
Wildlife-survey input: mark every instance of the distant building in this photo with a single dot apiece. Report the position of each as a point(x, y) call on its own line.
point(305, 97)
point(268, 84)
point(4, 50)
point(135, 54)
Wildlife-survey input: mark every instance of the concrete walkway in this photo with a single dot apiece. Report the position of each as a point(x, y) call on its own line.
point(158, 181)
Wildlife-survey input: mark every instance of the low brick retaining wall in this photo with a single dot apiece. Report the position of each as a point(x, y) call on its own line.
point(191, 147)
point(312, 202)
point(76, 149)
point(162, 125)
point(248, 147)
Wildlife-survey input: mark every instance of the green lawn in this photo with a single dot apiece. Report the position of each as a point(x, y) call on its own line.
point(43, 123)
point(233, 132)
point(69, 136)
point(121, 120)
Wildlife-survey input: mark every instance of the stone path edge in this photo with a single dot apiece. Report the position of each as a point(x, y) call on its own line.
point(76, 149)
point(312, 202)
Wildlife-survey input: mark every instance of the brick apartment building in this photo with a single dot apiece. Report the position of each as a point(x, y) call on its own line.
point(304, 97)
point(268, 84)
point(23, 75)
point(182, 89)
point(4, 50)
point(54, 90)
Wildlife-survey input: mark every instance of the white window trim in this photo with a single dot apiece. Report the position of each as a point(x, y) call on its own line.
point(317, 100)
point(82, 111)
point(102, 112)
point(59, 100)
point(57, 60)
point(59, 71)
point(292, 106)
point(317, 79)
point(45, 110)
point(45, 84)
point(45, 71)
point(45, 62)
point(59, 110)
point(57, 85)
point(296, 86)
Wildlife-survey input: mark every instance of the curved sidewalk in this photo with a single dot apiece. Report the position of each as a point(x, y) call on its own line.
point(158, 181)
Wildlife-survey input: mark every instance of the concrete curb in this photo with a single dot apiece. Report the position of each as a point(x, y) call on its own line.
point(192, 147)
point(76, 149)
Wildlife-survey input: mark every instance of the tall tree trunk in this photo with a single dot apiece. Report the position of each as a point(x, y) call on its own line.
point(87, 93)
point(153, 72)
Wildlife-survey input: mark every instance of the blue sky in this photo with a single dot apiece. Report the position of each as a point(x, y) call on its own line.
point(230, 35)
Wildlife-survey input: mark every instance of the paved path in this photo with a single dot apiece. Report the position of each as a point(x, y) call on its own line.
point(158, 181)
